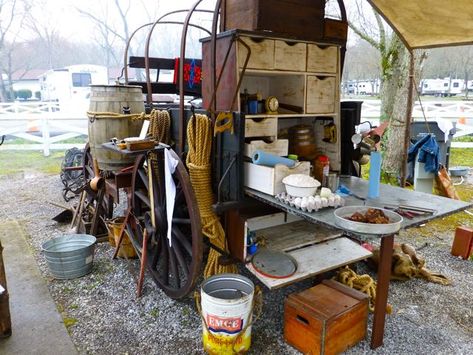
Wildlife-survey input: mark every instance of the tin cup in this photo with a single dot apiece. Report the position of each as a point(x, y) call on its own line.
point(333, 181)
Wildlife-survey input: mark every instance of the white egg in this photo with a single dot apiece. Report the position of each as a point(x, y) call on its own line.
point(297, 202)
point(324, 201)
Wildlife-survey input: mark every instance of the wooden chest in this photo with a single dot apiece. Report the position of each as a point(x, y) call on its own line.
point(325, 319)
point(302, 19)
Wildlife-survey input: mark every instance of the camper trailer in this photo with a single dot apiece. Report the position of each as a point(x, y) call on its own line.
point(71, 84)
point(442, 87)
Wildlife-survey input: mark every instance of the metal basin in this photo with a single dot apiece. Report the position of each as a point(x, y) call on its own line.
point(342, 213)
point(70, 256)
point(459, 170)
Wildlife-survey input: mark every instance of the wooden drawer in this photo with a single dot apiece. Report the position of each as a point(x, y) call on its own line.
point(290, 56)
point(321, 94)
point(262, 53)
point(261, 127)
point(269, 179)
point(278, 147)
point(322, 59)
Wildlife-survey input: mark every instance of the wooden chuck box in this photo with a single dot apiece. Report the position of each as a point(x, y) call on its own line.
point(325, 319)
point(303, 19)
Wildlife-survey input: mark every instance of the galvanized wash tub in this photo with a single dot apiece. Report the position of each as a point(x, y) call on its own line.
point(70, 256)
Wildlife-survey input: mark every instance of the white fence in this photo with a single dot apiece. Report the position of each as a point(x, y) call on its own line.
point(44, 124)
point(47, 125)
point(460, 112)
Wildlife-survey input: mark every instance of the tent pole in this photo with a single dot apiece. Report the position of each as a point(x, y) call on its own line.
point(407, 131)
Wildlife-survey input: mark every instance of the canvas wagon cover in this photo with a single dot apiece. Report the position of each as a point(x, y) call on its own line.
point(429, 23)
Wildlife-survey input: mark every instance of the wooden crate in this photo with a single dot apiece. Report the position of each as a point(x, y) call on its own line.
point(302, 19)
point(325, 319)
point(463, 242)
point(269, 180)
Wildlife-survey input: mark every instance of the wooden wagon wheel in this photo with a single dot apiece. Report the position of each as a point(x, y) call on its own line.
point(174, 268)
point(99, 206)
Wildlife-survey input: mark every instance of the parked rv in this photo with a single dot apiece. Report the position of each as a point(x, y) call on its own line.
point(442, 87)
point(71, 84)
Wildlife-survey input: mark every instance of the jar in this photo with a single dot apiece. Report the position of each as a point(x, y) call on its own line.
point(302, 141)
point(322, 169)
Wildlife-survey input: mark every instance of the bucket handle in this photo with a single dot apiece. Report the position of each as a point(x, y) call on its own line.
point(256, 309)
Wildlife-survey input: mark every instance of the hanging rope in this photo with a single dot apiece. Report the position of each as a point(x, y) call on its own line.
point(363, 283)
point(199, 139)
point(159, 126)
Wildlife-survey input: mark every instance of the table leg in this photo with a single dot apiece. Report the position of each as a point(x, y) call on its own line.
point(382, 289)
point(144, 256)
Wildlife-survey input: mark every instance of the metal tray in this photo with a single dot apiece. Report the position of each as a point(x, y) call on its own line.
point(366, 228)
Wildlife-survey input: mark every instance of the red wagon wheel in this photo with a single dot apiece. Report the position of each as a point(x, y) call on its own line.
point(174, 267)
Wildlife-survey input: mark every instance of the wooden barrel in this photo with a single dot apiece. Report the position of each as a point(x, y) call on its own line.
point(113, 98)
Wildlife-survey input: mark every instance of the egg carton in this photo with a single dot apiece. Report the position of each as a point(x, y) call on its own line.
point(311, 203)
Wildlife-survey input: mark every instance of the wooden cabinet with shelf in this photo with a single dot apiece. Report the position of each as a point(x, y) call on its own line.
point(304, 76)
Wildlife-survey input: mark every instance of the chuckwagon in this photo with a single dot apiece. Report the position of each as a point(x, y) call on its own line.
point(257, 82)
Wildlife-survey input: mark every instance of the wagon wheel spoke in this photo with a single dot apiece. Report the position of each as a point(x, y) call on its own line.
point(105, 209)
point(174, 268)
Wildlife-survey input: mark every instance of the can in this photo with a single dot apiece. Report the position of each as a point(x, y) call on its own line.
point(227, 304)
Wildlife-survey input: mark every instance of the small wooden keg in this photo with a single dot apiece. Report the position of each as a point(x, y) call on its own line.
point(113, 98)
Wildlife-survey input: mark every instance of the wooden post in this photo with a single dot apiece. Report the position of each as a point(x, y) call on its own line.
point(407, 132)
point(5, 320)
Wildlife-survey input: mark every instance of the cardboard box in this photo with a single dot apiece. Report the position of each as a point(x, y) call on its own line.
point(325, 319)
point(269, 180)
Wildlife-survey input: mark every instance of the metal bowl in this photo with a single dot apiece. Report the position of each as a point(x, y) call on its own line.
point(459, 170)
point(342, 213)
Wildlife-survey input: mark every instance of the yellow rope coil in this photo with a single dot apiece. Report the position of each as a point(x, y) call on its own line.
point(363, 283)
point(199, 139)
point(92, 115)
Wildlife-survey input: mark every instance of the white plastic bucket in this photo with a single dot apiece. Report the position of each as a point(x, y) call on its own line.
point(227, 303)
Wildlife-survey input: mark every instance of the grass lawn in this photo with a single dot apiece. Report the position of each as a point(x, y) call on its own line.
point(14, 162)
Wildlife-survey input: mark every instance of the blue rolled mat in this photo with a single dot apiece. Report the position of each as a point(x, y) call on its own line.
point(260, 157)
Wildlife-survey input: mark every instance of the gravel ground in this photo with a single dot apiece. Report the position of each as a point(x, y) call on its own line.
point(104, 316)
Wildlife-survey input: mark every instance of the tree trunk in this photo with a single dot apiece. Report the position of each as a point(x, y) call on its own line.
point(5, 321)
point(396, 94)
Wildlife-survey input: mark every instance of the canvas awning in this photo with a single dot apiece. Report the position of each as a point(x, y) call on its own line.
point(429, 23)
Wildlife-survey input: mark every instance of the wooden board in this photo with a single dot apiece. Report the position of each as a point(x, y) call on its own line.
point(291, 236)
point(317, 259)
point(290, 56)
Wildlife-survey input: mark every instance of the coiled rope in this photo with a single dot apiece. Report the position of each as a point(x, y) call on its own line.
point(199, 139)
point(363, 283)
